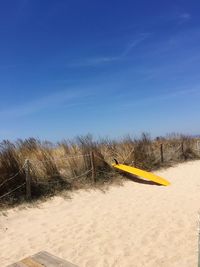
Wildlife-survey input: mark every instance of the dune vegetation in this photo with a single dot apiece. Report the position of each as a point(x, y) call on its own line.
point(82, 162)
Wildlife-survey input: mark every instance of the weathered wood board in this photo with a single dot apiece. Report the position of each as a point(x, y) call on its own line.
point(42, 259)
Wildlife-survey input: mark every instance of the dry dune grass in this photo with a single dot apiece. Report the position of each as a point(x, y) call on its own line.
point(67, 164)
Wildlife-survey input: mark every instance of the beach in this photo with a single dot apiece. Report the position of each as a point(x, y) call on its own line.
point(132, 225)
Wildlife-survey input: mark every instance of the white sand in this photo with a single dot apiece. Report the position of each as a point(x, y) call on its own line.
point(132, 225)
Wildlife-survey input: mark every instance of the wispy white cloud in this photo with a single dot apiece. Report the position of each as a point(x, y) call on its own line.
point(183, 17)
point(49, 101)
point(96, 61)
point(158, 98)
point(134, 43)
point(177, 17)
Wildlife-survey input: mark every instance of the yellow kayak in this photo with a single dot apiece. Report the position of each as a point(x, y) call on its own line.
point(148, 175)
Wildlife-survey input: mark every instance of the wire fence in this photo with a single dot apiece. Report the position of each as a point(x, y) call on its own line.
point(176, 151)
point(11, 191)
point(29, 165)
point(12, 177)
point(163, 153)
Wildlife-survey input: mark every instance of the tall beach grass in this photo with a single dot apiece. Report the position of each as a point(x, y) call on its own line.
point(72, 164)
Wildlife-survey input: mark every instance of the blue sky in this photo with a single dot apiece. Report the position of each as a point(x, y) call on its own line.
point(110, 68)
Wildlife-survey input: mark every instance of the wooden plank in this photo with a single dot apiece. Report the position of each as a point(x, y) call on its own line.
point(29, 262)
point(19, 264)
point(49, 260)
point(42, 259)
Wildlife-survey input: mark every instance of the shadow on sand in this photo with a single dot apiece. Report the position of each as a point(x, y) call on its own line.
point(136, 179)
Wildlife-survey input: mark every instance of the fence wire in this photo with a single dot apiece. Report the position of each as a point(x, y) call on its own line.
point(169, 154)
point(12, 177)
point(8, 193)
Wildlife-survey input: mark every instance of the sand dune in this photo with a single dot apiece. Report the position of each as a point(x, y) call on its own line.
point(133, 225)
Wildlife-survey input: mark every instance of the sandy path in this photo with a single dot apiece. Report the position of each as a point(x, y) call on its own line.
point(133, 225)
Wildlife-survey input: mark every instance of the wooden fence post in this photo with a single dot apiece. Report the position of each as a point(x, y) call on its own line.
point(93, 166)
point(161, 153)
point(28, 180)
point(182, 148)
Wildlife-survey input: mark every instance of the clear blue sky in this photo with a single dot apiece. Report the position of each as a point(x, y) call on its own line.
point(105, 67)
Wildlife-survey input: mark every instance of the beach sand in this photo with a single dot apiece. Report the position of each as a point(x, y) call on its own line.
point(135, 225)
